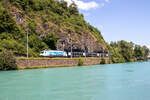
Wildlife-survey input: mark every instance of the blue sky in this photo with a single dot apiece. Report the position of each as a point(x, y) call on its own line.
point(119, 19)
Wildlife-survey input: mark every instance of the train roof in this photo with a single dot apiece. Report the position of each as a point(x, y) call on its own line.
point(54, 50)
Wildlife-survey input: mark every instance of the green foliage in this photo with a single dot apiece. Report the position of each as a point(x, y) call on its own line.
point(5, 36)
point(123, 51)
point(103, 61)
point(10, 33)
point(6, 22)
point(7, 61)
point(116, 56)
point(36, 44)
point(13, 46)
point(80, 62)
point(146, 51)
point(32, 26)
point(126, 50)
point(73, 8)
point(141, 52)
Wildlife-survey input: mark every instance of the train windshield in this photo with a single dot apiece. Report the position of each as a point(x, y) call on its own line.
point(42, 52)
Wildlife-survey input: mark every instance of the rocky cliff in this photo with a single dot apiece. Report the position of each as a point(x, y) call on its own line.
point(51, 25)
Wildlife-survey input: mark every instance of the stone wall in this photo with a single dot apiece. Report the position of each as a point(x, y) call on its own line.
point(45, 63)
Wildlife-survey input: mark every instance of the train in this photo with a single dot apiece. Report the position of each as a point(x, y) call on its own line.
point(57, 53)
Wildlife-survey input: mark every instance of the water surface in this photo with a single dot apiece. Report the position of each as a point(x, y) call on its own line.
point(129, 81)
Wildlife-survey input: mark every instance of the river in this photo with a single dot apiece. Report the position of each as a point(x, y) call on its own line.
point(128, 81)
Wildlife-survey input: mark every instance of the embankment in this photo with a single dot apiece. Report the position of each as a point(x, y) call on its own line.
point(56, 62)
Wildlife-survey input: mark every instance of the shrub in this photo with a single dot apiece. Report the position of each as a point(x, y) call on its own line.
point(80, 62)
point(17, 48)
point(7, 61)
point(103, 61)
point(32, 26)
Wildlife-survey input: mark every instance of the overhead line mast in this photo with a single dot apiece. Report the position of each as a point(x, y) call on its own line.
point(27, 44)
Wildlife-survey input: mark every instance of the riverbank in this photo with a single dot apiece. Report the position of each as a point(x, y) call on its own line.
point(34, 63)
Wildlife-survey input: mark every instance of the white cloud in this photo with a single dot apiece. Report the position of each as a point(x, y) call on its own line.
point(107, 1)
point(85, 5)
point(148, 46)
point(68, 1)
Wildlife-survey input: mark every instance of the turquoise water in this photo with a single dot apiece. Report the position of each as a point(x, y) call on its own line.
point(130, 81)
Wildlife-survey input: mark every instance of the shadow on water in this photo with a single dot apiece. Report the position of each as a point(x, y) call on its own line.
point(130, 70)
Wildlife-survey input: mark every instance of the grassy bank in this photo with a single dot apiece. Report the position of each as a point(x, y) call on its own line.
point(42, 58)
point(40, 67)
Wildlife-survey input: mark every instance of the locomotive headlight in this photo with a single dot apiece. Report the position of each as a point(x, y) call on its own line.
point(69, 53)
point(83, 54)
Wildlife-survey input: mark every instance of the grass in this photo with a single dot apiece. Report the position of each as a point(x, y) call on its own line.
point(45, 58)
point(51, 66)
point(46, 66)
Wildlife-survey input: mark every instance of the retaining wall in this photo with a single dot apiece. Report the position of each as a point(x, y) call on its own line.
point(45, 63)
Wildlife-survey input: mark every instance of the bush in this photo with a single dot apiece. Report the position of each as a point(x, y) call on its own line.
point(103, 61)
point(80, 62)
point(7, 61)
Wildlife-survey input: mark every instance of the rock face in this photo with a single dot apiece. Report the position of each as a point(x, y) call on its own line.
point(70, 27)
point(84, 43)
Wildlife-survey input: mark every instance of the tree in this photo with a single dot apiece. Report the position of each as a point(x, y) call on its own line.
point(7, 61)
point(7, 24)
point(146, 51)
point(63, 4)
point(73, 8)
point(126, 50)
point(138, 52)
point(36, 44)
point(141, 52)
point(123, 51)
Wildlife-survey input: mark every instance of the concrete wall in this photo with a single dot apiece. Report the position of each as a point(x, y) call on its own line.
point(45, 63)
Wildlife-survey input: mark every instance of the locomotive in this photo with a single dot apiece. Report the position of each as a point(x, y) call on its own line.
point(53, 53)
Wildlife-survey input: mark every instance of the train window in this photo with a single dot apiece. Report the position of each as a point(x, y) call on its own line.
point(42, 52)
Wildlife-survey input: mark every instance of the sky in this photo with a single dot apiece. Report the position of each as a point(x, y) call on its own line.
point(118, 19)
